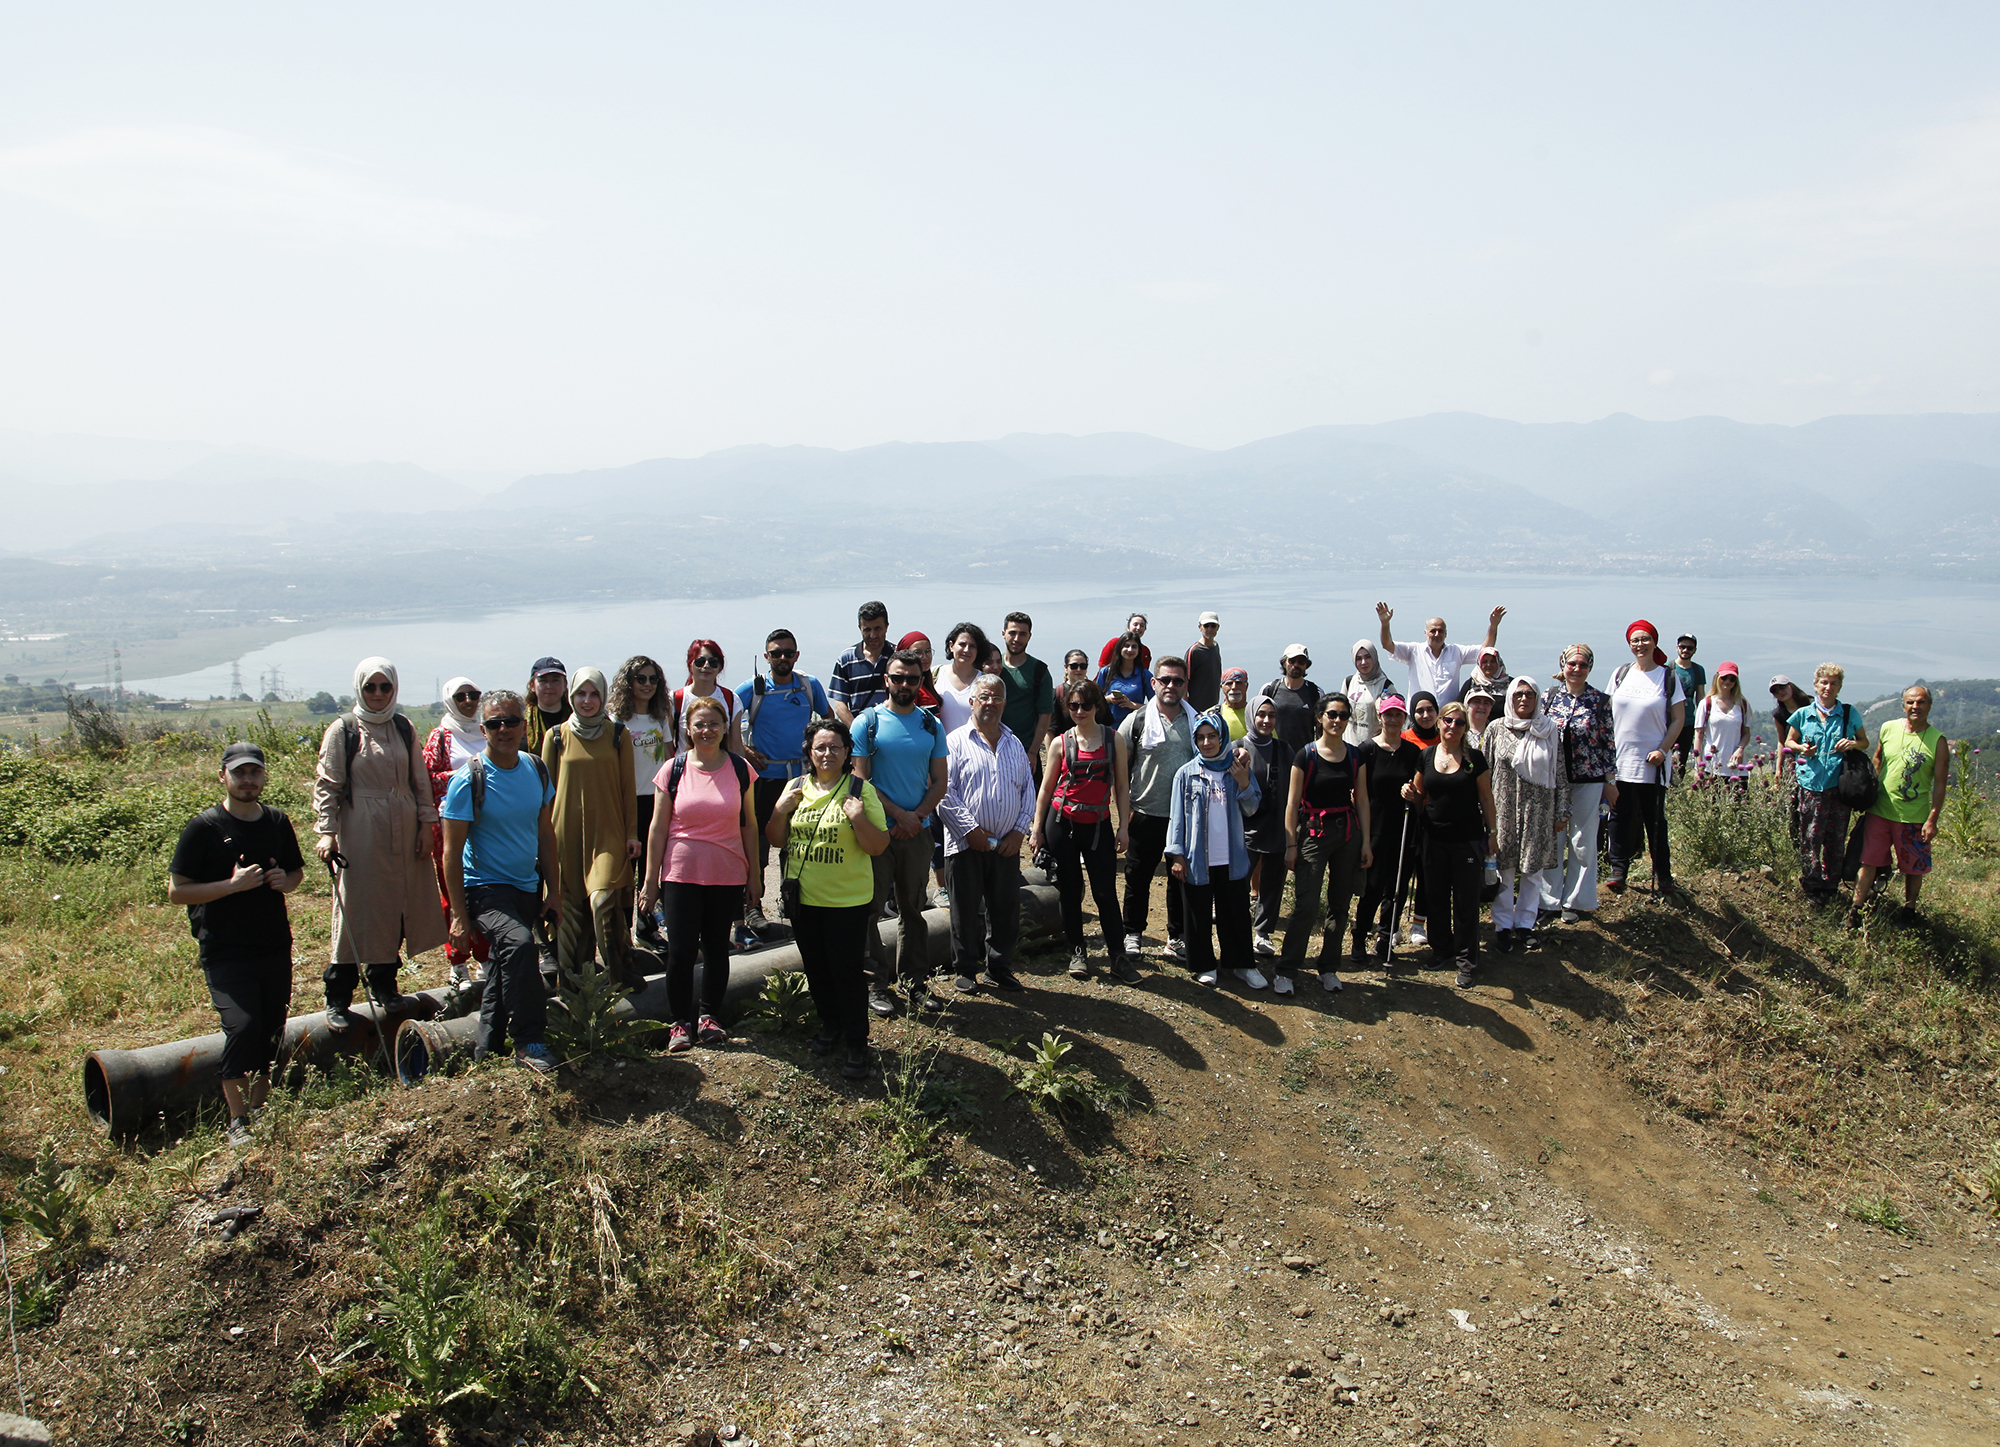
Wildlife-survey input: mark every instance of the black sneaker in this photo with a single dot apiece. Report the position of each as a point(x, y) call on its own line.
point(858, 1062)
point(339, 1019)
point(966, 985)
point(822, 1044)
point(1905, 917)
point(1001, 978)
point(1854, 919)
point(882, 1001)
point(1465, 976)
point(1123, 967)
point(1079, 965)
point(924, 1000)
point(1524, 940)
point(1503, 941)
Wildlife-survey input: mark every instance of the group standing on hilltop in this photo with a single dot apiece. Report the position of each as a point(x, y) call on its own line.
point(563, 827)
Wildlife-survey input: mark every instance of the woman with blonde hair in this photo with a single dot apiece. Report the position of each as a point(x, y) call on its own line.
point(589, 759)
point(1456, 790)
point(373, 806)
point(1722, 731)
point(1819, 736)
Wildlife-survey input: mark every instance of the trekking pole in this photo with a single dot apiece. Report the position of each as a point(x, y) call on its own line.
point(1396, 899)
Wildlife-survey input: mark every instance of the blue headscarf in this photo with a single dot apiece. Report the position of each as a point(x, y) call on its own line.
point(1224, 757)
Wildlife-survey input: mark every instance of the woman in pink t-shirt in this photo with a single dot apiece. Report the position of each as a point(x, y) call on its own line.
point(698, 853)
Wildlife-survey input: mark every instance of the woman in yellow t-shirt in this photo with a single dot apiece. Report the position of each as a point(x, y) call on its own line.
point(840, 826)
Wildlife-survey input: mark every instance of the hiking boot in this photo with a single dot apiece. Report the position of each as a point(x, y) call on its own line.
point(1253, 977)
point(1570, 916)
point(1330, 982)
point(1177, 949)
point(1002, 978)
point(882, 1000)
point(680, 1039)
point(1281, 984)
point(1123, 967)
point(238, 1132)
point(1261, 943)
point(1524, 940)
point(1465, 976)
point(339, 1018)
point(708, 1031)
point(858, 1062)
point(1615, 883)
point(1079, 965)
point(1206, 977)
point(537, 1058)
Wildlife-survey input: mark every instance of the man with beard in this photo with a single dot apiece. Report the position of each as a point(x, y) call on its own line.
point(900, 749)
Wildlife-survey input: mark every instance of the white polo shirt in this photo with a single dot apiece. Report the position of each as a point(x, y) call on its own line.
point(1437, 675)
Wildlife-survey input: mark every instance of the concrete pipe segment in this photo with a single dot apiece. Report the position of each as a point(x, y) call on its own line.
point(126, 1091)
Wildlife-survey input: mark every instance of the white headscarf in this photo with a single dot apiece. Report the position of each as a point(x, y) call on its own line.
point(575, 723)
point(1540, 737)
point(462, 727)
point(366, 669)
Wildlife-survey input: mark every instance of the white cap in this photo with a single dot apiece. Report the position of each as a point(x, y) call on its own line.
point(1208, 618)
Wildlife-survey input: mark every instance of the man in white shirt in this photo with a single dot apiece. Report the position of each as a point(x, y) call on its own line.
point(1435, 664)
point(988, 809)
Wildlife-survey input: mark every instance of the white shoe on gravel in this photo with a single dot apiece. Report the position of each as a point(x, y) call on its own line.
point(1177, 948)
point(1329, 982)
point(1263, 946)
point(1281, 985)
point(1419, 935)
point(1254, 978)
point(1206, 977)
point(1570, 916)
point(1134, 945)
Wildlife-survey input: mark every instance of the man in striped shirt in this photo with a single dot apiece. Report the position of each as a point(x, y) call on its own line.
point(988, 809)
point(858, 678)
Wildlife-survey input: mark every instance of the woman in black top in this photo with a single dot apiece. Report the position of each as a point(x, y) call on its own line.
point(1458, 820)
point(1392, 761)
point(1326, 841)
point(1264, 831)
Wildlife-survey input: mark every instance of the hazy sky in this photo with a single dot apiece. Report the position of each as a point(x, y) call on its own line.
point(517, 237)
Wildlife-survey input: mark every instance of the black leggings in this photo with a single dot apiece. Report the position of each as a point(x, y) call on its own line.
point(830, 949)
point(1453, 872)
point(698, 920)
point(1087, 849)
point(1641, 812)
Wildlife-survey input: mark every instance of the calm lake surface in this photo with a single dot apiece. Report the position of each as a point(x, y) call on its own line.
point(1883, 633)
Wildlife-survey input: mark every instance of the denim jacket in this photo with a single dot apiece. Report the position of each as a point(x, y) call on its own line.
point(1187, 823)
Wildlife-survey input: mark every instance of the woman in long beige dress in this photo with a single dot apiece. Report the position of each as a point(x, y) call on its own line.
point(373, 808)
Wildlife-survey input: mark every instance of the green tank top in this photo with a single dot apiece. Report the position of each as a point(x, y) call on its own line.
point(1909, 765)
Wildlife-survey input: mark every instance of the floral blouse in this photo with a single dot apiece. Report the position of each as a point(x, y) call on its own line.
point(1586, 724)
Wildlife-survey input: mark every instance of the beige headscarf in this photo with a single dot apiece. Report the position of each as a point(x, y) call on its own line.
point(366, 669)
point(575, 722)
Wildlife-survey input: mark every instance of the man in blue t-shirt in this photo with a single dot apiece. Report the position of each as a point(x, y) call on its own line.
point(499, 873)
point(900, 749)
point(773, 721)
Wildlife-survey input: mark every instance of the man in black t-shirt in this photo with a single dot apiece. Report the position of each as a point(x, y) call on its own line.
point(233, 867)
point(1297, 698)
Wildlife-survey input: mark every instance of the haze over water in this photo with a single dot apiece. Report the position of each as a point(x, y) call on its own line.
point(1884, 633)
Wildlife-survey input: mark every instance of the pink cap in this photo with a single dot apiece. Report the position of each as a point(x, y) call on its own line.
point(1391, 701)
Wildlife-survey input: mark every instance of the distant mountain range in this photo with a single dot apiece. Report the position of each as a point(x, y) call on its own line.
point(1705, 495)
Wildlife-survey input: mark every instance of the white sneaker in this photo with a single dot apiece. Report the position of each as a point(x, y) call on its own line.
point(1329, 982)
point(1254, 978)
point(1570, 916)
point(1177, 949)
point(1263, 946)
point(1206, 977)
point(1419, 935)
point(1134, 946)
point(1281, 985)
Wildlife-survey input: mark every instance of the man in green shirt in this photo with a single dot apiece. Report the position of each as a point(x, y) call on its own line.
point(1031, 692)
point(1913, 761)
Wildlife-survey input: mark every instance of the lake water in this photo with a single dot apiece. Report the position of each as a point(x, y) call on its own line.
point(1883, 633)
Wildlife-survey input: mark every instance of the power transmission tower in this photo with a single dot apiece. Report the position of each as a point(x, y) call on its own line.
point(118, 674)
point(235, 677)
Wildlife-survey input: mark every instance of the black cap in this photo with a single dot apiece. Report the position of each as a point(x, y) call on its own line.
point(240, 753)
point(548, 665)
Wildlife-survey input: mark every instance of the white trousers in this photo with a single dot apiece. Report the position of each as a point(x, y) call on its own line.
point(1572, 884)
point(1516, 907)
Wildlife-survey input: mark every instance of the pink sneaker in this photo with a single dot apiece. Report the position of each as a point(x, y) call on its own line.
point(708, 1030)
point(679, 1042)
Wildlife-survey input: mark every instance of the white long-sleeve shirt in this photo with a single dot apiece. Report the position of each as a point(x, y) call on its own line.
point(1435, 673)
point(989, 788)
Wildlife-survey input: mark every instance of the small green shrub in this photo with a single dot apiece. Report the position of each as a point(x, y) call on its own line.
point(1965, 824)
point(587, 1019)
point(1714, 827)
point(785, 1005)
point(1050, 1084)
point(1878, 1211)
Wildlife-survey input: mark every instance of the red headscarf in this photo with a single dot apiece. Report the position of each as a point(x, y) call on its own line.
point(1659, 658)
point(927, 697)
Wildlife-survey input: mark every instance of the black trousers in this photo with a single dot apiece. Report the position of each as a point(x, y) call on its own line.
point(1640, 807)
point(251, 996)
point(1092, 850)
point(1390, 882)
point(698, 921)
point(764, 800)
point(1267, 910)
point(1223, 906)
point(513, 1000)
point(985, 909)
point(830, 949)
point(341, 977)
point(1454, 870)
point(1142, 861)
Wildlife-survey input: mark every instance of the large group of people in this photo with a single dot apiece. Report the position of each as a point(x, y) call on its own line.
point(559, 828)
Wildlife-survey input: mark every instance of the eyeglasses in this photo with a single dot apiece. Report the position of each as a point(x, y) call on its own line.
point(708, 663)
point(1303, 662)
point(494, 725)
point(378, 688)
point(466, 695)
point(652, 678)
point(781, 653)
point(706, 724)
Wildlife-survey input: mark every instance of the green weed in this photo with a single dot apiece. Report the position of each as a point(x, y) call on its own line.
point(1878, 1211)
point(785, 1004)
point(1714, 827)
point(588, 1019)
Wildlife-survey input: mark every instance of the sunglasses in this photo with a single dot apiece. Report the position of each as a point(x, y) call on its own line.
point(1454, 723)
point(494, 725)
point(652, 678)
point(708, 663)
point(1171, 680)
point(378, 688)
point(466, 695)
point(1339, 713)
point(1077, 705)
point(781, 653)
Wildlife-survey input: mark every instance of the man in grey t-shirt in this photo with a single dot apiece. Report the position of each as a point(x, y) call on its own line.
point(1159, 738)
